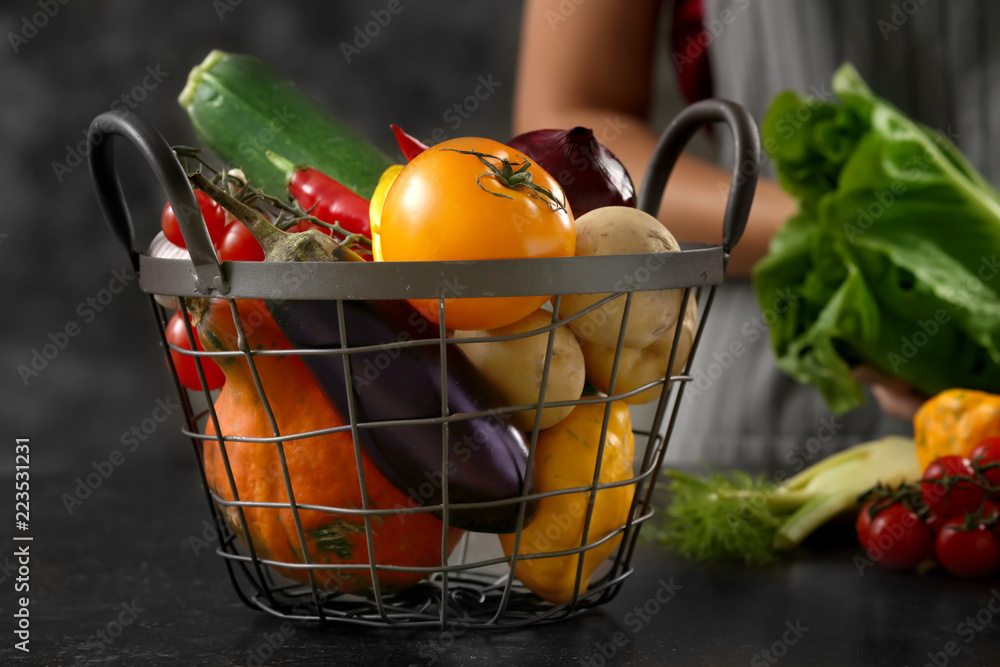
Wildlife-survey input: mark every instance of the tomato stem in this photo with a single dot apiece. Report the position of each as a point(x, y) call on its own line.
point(512, 178)
point(886, 495)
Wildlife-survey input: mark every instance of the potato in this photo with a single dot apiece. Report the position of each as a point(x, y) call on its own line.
point(616, 230)
point(514, 367)
point(640, 367)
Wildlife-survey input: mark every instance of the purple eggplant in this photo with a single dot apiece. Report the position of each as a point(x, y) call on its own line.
point(487, 456)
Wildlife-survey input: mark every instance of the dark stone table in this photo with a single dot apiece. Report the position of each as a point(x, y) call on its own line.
point(119, 581)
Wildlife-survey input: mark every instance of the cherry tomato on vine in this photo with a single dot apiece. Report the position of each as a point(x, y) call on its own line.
point(898, 539)
point(215, 220)
point(864, 522)
point(187, 372)
point(935, 522)
point(239, 245)
point(464, 199)
point(991, 444)
point(958, 496)
point(987, 453)
point(967, 553)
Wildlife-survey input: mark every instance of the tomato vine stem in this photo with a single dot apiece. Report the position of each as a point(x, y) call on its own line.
point(512, 178)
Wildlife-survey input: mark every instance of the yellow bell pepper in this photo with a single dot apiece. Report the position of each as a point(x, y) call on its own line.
point(385, 182)
point(565, 458)
point(954, 422)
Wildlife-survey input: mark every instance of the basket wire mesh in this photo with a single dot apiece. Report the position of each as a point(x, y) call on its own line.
point(460, 590)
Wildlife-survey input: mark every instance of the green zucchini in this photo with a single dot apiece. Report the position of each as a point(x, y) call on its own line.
point(242, 108)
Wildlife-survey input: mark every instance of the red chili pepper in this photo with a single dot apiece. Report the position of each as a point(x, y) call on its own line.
point(409, 144)
point(325, 198)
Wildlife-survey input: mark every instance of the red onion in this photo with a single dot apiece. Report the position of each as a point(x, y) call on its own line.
point(589, 173)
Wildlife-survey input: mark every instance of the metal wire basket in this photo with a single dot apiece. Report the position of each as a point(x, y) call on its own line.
point(462, 589)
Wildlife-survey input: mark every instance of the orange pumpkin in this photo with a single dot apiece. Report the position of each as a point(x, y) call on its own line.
point(954, 422)
point(322, 469)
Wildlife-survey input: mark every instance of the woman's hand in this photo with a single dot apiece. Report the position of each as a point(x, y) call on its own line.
point(895, 397)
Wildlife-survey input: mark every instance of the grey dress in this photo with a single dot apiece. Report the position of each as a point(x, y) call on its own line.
point(936, 63)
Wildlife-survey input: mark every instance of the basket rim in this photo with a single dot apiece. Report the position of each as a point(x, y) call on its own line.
point(695, 265)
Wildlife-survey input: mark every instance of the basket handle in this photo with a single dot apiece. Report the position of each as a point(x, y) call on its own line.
point(174, 181)
point(746, 140)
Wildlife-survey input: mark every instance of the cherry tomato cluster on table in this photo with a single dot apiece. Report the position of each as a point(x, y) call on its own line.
point(952, 517)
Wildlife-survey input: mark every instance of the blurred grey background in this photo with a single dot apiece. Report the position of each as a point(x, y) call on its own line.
point(56, 251)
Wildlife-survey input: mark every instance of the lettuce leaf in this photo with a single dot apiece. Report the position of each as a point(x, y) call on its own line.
point(892, 258)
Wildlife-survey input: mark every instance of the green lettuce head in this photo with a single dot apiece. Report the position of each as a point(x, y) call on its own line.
point(893, 256)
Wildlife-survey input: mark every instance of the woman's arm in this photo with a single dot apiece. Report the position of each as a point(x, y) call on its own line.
point(593, 66)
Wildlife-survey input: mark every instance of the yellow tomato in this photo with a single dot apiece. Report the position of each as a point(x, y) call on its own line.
point(449, 203)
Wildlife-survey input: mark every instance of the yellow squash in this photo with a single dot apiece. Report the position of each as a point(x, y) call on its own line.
point(565, 458)
point(954, 422)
